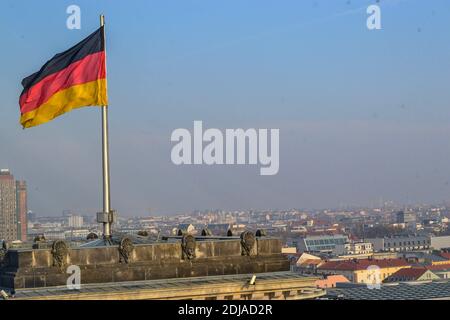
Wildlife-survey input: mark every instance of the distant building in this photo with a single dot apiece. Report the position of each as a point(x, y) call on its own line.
point(362, 270)
point(186, 228)
point(424, 290)
point(219, 229)
point(426, 258)
point(439, 243)
point(289, 250)
point(353, 248)
point(13, 207)
point(22, 210)
point(324, 243)
point(31, 216)
point(406, 217)
point(308, 266)
point(441, 270)
point(309, 223)
point(55, 235)
point(8, 214)
point(75, 221)
point(331, 281)
point(299, 229)
point(76, 234)
point(67, 213)
point(412, 274)
point(401, 243)
point(304, 257)
point(429, 222)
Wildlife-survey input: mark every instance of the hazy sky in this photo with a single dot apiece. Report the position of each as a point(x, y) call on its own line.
point(363, 115)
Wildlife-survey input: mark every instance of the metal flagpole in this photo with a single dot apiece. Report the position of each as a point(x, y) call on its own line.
point(107, 214)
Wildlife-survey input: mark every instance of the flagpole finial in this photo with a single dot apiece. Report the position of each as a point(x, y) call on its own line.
point(102, 20)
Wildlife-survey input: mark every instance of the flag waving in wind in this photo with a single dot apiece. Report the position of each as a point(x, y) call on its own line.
point(73, 79)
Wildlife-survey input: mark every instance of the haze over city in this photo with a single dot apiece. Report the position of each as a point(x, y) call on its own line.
point(363, 115)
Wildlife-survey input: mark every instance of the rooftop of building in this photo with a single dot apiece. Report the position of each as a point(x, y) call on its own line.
point(310, 262)
point(409, 273)
point(331, 281)
point(322, 236)
point(397, 291)
point(6, 174)
point(362, 264)
point(439, 267)
point(426, 256)
point(406, 236)
point(131, 288)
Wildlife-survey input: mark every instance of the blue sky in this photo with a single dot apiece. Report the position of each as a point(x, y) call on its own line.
point(362, 114)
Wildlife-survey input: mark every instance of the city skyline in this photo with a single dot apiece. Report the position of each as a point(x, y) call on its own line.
point(381, 133)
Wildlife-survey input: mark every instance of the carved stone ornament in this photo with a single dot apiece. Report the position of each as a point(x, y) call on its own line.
point(206, 232)
point(92, 236)
point(143, 233)
point(3, 251)
point(125, 249)
point(261, 233)
point(247, 243)
point(39, 238)
point(188, 247)
point(60, 251)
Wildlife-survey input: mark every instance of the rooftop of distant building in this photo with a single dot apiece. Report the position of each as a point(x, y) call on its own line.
point(398, 291)
point(362, 264)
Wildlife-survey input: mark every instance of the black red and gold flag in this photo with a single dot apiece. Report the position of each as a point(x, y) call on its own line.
point(72, 79)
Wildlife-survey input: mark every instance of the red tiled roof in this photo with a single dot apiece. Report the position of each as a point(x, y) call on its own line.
point(445, 255)
point(439, 267)
point(409, 273)
point(336, 278)
point(362, 264)
point(331, 281)
point(311, 262)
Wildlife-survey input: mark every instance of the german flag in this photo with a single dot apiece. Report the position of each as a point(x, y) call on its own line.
point(72, 79)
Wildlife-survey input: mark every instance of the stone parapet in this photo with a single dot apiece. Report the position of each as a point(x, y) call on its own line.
point(163, 260)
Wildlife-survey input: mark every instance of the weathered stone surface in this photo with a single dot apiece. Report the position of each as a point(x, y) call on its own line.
point(34, 268)
point(268, 247)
